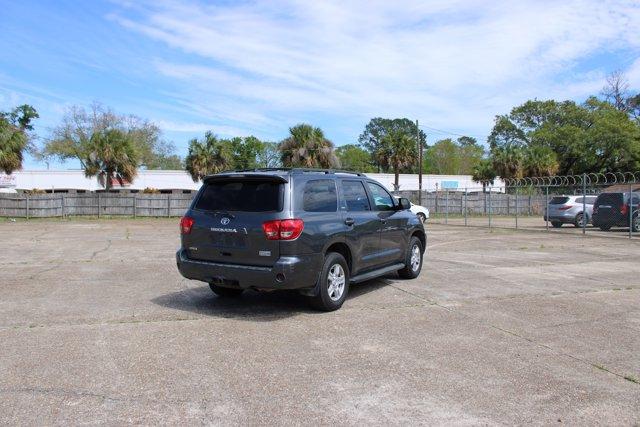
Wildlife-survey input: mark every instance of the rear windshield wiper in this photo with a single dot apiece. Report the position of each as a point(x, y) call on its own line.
point(230, 215)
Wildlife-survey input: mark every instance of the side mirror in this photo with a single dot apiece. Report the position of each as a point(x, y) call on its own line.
point(404, 204)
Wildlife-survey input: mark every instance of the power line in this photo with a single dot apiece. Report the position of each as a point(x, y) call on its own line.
point(446, 132)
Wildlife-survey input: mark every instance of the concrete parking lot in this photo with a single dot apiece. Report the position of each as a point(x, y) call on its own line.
point(502, 327)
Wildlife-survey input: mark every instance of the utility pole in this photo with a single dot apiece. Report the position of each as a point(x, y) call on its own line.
point(419, 163)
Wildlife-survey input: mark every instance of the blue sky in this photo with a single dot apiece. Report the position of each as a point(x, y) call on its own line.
point(241, 68)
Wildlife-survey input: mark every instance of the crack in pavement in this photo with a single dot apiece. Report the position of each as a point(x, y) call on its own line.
point(587, 362)
point(106, 248)
point(38, 273)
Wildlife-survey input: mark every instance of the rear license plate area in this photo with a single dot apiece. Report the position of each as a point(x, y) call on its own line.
point(228, 240)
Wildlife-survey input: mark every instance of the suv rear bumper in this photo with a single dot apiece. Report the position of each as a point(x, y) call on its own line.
point(611, 220)
point(289, 272)
point(566, 218)
point(560, 218)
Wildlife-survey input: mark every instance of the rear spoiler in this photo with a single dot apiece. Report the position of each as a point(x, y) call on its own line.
point(245, 176)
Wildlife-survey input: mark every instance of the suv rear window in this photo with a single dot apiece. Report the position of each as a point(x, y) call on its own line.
point(613, 199)
point(559, 200)
point(241, 196)
point(320, 196)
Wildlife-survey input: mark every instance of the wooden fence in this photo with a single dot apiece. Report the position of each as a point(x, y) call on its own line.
point(93, 204)
point(169, 205)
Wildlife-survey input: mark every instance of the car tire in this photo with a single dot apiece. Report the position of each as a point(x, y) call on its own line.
point(635, 224)
point(578, 221)
point(422, 217)
point(223, 292)
point(413, 266)
point(556, 224)
point(333, 285)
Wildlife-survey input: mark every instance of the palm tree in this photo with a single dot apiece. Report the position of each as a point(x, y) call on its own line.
point(508, 161)
point(307, 147)
point(541, 161)
point(111, 154)
point(12, 143)
point(397, 150)
point(207, 156)
point(13, 136)
point(484, 173)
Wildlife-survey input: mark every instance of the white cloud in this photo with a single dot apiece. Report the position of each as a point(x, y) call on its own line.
point(192, 127)
point(633, 74)
point(452, 64)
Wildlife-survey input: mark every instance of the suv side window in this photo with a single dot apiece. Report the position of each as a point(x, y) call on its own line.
point(320, 196)
point(355, 196)
point(579, 201)
point(381, 198)
point(591, 200)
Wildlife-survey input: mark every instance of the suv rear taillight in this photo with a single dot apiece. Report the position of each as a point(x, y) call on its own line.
point(564, 208)
point(186, 222)
point(624, 209)
point(283, 229)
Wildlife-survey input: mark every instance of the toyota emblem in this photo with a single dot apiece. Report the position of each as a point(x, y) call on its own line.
point(225, 221)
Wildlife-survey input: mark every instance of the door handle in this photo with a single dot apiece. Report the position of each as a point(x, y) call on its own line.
point(349, 221)
point(384, 221)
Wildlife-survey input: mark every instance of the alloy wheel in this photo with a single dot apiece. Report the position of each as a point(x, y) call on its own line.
point(415, 258)
point(336, 281)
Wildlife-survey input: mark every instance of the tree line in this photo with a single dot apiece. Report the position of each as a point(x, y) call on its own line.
point(537, 138)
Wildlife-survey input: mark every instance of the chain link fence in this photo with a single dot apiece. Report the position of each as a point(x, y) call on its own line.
point(597, 204)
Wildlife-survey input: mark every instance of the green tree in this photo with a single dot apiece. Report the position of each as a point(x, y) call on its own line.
point(307, 147)
point(448, 157)
point(540, 161)
point(78, 125)
point(509, 161)
point(396, 151)
point(471, 154)
point(14, 137)
point(378, 127)
point(354, 158)
point(484, 173)
point(634, 108)
point(110, 154)
point(208, 156)
point(246, 152)
point(444, 157)
point(592, 137)
point(163, 157)
point(269, 157)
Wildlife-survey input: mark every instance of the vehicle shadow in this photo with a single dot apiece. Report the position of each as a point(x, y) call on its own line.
point(252, 305)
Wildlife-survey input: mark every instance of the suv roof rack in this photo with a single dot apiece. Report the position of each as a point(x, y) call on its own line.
point(298, 170)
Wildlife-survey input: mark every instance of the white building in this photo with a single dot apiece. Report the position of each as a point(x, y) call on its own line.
point(180, 181)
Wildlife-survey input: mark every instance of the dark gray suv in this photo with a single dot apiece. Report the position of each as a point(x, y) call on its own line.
point(317, 231)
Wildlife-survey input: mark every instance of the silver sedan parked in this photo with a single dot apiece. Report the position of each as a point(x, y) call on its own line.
point(569, 210)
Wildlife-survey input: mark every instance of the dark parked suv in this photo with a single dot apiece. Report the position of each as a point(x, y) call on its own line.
point(317, 231)
point(614, 210)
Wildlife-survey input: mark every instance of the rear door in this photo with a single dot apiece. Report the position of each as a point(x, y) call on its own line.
point(229, 213)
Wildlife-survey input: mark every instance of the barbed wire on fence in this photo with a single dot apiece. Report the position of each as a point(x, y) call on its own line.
point(589, 179)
